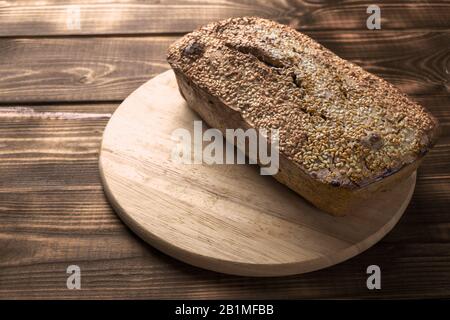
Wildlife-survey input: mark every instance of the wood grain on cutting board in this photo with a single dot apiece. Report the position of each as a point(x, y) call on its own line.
point(226, 218)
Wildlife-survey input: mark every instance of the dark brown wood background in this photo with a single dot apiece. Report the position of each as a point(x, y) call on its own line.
point(60, 83)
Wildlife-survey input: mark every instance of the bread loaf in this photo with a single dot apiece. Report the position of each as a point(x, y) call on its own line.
point(344, 133)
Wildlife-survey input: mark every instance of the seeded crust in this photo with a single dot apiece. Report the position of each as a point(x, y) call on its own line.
point(340, 126)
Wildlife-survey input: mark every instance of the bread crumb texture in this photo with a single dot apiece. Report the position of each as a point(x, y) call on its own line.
point(339, 123)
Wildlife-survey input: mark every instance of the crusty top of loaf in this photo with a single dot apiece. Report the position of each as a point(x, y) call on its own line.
point(339, 123)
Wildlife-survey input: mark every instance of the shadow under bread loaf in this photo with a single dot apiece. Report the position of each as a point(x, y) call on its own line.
point(344, 133)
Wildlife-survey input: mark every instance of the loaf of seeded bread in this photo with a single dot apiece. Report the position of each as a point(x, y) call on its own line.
point(343, 132)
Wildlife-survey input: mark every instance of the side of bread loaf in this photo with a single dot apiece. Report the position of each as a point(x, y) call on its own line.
point(344, 133)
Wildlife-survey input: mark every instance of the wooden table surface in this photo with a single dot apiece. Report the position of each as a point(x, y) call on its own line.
point(66, 65)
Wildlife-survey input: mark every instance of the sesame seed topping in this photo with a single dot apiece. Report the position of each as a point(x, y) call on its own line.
point(339, 123)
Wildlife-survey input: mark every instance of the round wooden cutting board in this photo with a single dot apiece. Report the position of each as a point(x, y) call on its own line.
point(226, 218)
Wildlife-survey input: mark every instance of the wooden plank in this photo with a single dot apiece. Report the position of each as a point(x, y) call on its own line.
point(30, 18)
point(109, 69)
point(409, 270)
point(54, 214)
point(79, 69)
